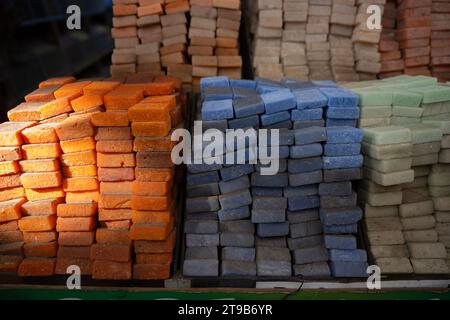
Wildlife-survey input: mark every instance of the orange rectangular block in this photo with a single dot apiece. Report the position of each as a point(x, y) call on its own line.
point(163, 144)
point(123, 97)
point(11, 210)
point(116, 225)
point(74, 252)
point(148, 10)
point(57, 107)
point(42, 207)
point(43, 133)
point(111, 119)
point(43, 194)
point(113, 133)
point(78, 145)
point(151, 129)
point(142, 203)
point(77, 239)
point(37, 223)
point(80, 184)
point(159, 88)
point(9, 182)
point(42, 94)
point(26, 111)
point(41, 250)
point(70, 89)
point(82, 158)
point(114, 201)
point(75, 127)
point(56, 119)
point(176, 116)
point(40, 237)
point(108, 236)
point(70, 210)
point(11, 236)
point(82, 196)
point(123, 187)
point(76, 224)
point(156, 231)
point(115, 174)
point(37, 267)
point(62, 265)
point(87, 102)
point(11, 133)
point(41, 151)
point(164, 246)
point(154, 258)
point(154, 174)
point(154, 271)
point(154, 160)
point(109, 270)
point(169, 99)
point(13, 248)
point(149, 112)
point(9, 226)
point(12, 193)
point(57, 81)
point(111, 251)
point(100, 87)
point(140, 188)
point(10, 153)
point(115, 146)
point(80, 171)
point(114, 214)
point(9, 167)
point(116, 160)
point(41, 180)
point(44, 165)
point(10, 263)
point(152, 216)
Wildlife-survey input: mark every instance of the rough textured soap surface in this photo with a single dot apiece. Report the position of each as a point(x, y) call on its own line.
point(387, 135)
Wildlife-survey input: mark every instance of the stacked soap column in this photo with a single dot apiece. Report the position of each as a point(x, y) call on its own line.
point(375, 107)
point(365, 42)
point(124, 33)
point(12, 196)
point(343, 14)
point(417, 210)
point(293, 49)
point(388, 160)
point(440, 57)
point(413, 33)
point(317, 45)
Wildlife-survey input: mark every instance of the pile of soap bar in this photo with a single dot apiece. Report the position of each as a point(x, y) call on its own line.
point(312, 194)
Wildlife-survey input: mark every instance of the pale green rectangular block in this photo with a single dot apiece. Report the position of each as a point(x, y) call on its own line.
point(444, 156)
point(419, 182)
point(401, 78)
point(394, 265)
point(386, 238)
point(417, 209)
point(374, 187)
point(444, 125)
point(439, 191)
point(431, 109)
point(387, 135)
point(439, 179)
point(374, 97)
point(427, 236)
point(422, 81)
point(419, 223)
point(388, 151)
point(425, 160)
point(433, 94)
point(377, 199)
point(430, 266)
point(422, 149)
point(376, 112)
point(388, 166)
point(390, 251)
point(445, 143)
point(383, 224)
point(373, 122)
point(422, 133)
point(402, 121)
point(404, 98)
point(389, 179)
point(441, 168)
point(409, 112)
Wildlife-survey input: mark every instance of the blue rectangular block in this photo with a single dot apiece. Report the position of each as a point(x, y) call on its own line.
point(344, 149)
point(308, 123)
point(302, 191)
point(278, 101)
point(248, 107)
point(307, 114)
point(267, 192)
point(310, 135)
point(285, 138)
point(344, 135)
point(305, 165)
point(303, 203)
point(338, 201)
point(234, 185)
point(266, 85)
point(233, 172)
point(310, 99)
point(214, 82)
point(235, 199)
point(269, 119)
point(343, 242)
point(340, 216)
point(303, 179)
point(336, 189)
point(339, 97)
point(325, 83)
point(349, 269)
point(287, 124)
point(202, 178)
point(200, 168)
point(343, 113)
point(348, 255)
point(343, 162)
point(244, 123)
point(242, 93)
point(282, 166)
point(280, 180)
point(268, 216)
point(306, 151)
point(298, 85)
point(234, 214)
point(341, 123)
point(344, 229)
point(242, 83)
point(217, 110)
point(270, 230)
point(221, 125)
point(214, 94)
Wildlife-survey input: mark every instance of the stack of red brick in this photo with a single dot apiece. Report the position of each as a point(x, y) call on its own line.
point(440, 39)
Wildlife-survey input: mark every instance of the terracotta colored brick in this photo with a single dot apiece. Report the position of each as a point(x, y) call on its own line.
point(115, 174)
point(43, 194)
point(41, 250)
point(142, 203)
point(124, 32)
point(40, 237)
point(10, 181)
point(43, 133)
point(165, 246)
point(70, 89)
point(68, 252)
point(177, 6)
point(41, 180)
point(9, 167)
point(124, 10)
point(11, 236)
point(140, 188)
point(76, 238)
point(57, 107)
point(114, 201)
point(62, 264)
point(153, 9)
point(115, 146)
point(76, 224)
point(116, 187)
point(75, 128)
point(416, 52)
point(111, 119)
point(82, 196)
point(42, 207)
point(10, 133)
point(90, 112)
point(116, 160)
point(37, 223)
point(154, 160)
point(422, 21)
point(405, 4)
point(156, 231)
point(111, 252)
point(80, 171)
point(57, 81)
point(78, 145)
point(116, 225)
point(159, 88)
point(69, 210)
point(149, 112)
point(83, 158)
point(109, 270)
point(80, 184)
point(42, 94)
point(114, 214)
point(11, 210)
point(9, 226)
point(154, 174)
point(41, 151)
point(37, 267)
point(10, 153)
point(10, 264)
point(44, 165)
point(152, 216)
point(413, 33)
point(26, 111)
point(123, 97)
point(417, 61)
point(154, 258)
point(13, 248)
point(107, 236)
point(113, 133)
point(100, 87)
point(151, 271)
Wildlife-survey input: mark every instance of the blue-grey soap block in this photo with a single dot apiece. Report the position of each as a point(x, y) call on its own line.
point(201, 227)
point(308, 123)
point(242, 93)
point(269, 119)
point(343, 188)
point(342, 242)
point(340, 216)
point(305, 165)
point(349, 269)
point(243, 226)
point(214, 94)
point(211, 82)
point(272, 229)
point(217, 110)
point(278, 101)
point(232, 239)
point(233, 268)
point(344, 149)
point(341, 122)
point(238, 254)
point(339, 97)
point(348, 255)
point(202, 240)
point(307, 178)
point(204, 190)
point(201, 168)
point(337, 175)
point(233, 172)
point(234, 185)
point(280, 180)
point(310, 99)
point(306, 151)
point(303, 215)
point(235, 199)
point(221, 125)
point(344, 135)
point(305, 242)
point(342, 162)
point(201, 268)
point(244, 123)
point(343, 113)
point(234, 214)
point(307, 114)
point(310, 135)
point(341, 229)
point(202, 178)
point(248, 107)
point(303, 203)
point(338, 201)
point(310, 255)
point(268, 203)
point(268, 215)
point(267, 192)
point(202, 204)
point(301, 191)
point(243, 83)
point(306, 229)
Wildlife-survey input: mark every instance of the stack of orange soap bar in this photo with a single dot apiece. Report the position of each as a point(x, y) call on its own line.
point(12, 195)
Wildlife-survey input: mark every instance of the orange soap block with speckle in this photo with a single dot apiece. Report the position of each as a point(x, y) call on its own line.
point(10, 153)
point(113, 133)
point(37, 223)
point(56, 119)
point(42, 207)
point(100, 87)
point(74, 252)
point(115, 174)
point(151, 188)
point(114, 214)
point(43, 194)
point(41, 180)
point(123, 187)
point(154, 258)
point(116, 160)
point(159, 88)
point(149, 112)
point(123, 97)
point(8, 226)
point(111, 251)
point(11, 133)
point(43, 133)
point(156, 231)
point(107, 236)
point(154, 174)
point(26, 111)
point(151, 129)
point(170, 99)
point(80, 184)
point(41, 151)
point(56, 107)
point(12, 193)
point(152, 216)
point(78, 145)
point(161, 144)
point(115, 146)
point(70, 89)
point(87, 102)
point(9, 167)
point(40, 237)
point(40, 165)
point(80, 171)
point(116, 225)
point(110, 119)
point(75, 127)
point(143, 203)
point(11, 210)
point(76, 238)
point(11, 236)
point(114, 201)
point(176, 116)
point(82, 196)
point(37, 267)
point(41, 250)
point(62, 264)
point(10, 264)
point(76, 224)
point(57, 81)
point(69, 210)
point(164, 246)
point(154, 160)
point(109, 270)
point(10, 181)
point(82, 158)
point(42, 94)
point(154, 271)
point(165, 79)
